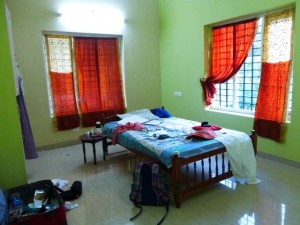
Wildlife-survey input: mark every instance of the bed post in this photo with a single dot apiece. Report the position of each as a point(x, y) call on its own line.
point(176, 167)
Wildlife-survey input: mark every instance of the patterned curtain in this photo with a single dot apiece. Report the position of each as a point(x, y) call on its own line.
point(272, 97)
point(61, 76)
point(230, 48)
point(99, 78)
point(111, 84)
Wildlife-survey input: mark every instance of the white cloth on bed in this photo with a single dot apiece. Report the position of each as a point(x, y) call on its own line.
point(241, 155)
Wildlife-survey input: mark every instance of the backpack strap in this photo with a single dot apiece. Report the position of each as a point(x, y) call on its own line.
point(135, 195)
point(158, 182)
point(59, 190)
point(139, 213)
point(167, 210)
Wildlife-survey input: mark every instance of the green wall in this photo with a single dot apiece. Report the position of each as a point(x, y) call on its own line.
point(12, 162)
point(183, 63)
point(164, 52)
point(141, 54)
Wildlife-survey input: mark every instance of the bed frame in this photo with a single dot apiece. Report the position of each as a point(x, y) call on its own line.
point(193, 174)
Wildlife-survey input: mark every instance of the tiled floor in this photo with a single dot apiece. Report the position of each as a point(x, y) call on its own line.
point(106, 186)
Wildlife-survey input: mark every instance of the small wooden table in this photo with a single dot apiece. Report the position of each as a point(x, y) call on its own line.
point(93, 140)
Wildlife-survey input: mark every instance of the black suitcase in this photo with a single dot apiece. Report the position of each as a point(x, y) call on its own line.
point(20, 201)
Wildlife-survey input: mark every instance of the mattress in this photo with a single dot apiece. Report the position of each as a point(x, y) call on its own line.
point(177, 129)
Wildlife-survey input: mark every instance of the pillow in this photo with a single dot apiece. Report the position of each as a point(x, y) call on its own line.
point(132, 119)
point(144, 113)
point(161, 113)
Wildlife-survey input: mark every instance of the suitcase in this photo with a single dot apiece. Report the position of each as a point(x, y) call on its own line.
point(22, 210)
point(3, 208)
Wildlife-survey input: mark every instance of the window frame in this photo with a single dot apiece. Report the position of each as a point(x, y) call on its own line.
point(72, 35)
point(241, 112)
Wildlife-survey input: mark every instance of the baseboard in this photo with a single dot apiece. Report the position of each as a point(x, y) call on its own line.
point(58, 145)
point(279, 159)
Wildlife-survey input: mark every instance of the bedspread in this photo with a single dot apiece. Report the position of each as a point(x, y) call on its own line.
point(241, 155)
point(177, 129)
point(238, 144)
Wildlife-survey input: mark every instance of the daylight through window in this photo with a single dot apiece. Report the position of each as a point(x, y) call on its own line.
point(239, 94)
point(85, 79)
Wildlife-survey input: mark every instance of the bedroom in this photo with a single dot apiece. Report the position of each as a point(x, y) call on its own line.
point(154, 30)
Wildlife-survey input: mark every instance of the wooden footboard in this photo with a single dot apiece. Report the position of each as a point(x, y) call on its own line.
point(193, 174)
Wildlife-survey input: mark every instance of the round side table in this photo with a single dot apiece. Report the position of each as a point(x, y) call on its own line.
point(93, 139)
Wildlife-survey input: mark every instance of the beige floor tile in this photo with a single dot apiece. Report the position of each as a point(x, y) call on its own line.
point(106, 186)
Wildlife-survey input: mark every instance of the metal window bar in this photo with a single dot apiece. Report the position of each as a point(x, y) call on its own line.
point(246, 102)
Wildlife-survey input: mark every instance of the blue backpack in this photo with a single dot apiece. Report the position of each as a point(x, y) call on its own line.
point(149, 188)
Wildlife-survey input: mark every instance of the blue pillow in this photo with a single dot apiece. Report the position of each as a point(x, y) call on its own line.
point(161, 113)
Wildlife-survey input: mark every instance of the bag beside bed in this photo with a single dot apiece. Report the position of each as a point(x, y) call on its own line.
point(149, 188)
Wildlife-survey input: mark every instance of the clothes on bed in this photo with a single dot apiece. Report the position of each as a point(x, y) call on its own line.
point(241, 155)
point(126, 127)
point(204, 132)
point(163, 149)
point(210, 127)
point(238, 144)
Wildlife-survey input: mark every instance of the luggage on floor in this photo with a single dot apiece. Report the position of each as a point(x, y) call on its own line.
point(149, 188)
point(37, 203)
point(72, 194)
point(3, 209)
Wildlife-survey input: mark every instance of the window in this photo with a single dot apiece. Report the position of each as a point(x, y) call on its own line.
point(85, 79)
point(239, 94)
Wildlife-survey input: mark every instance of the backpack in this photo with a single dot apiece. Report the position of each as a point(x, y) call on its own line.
point(149, 187)
point(74, 192)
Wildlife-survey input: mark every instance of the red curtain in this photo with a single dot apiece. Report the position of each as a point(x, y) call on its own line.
point(64, 101)
point(111, 84)
point(271, 101)
point(99, 78)
point(230, 47)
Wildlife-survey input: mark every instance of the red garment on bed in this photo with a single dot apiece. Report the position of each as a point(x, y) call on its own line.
point(211, 127)
point(126, 127)
point(204, 132)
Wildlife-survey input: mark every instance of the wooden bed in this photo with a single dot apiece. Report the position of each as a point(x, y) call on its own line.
point(193, 174)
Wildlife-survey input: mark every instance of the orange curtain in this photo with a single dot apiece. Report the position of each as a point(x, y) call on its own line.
point(61, 76)
point(64, 101)
point(111, 84)
point(99, 78)
point(230, 47)
point(274, 85)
